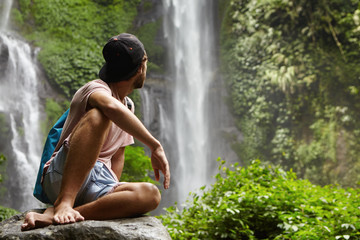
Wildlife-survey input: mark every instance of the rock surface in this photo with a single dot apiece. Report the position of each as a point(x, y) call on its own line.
point(141, 228)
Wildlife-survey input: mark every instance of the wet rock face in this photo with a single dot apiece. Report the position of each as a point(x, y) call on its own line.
point(144, 228)
point(4, 57)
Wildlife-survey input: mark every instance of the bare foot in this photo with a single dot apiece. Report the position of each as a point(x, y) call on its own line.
point(37, 220)
point(65, 214)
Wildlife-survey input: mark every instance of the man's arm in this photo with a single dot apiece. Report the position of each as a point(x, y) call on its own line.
point(117, 162)
point(126, 120)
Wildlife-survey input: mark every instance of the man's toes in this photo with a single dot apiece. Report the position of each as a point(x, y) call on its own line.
point(24, 227)
point(70, 219)
point(62, 219)
point(78, 217)
point(29, 222)
point(58, 220)
point(27, 226)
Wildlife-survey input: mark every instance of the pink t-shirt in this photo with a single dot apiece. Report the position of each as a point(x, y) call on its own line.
point(116, 137)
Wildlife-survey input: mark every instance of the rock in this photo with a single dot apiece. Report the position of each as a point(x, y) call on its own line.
point(142, 228)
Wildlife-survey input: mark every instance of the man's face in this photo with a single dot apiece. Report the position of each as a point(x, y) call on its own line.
point(140, 79)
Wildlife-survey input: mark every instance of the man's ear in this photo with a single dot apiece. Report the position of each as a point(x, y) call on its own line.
point(141, 68)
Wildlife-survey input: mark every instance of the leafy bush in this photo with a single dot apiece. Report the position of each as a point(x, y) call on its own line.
point(53, 109)
point(6, 213)
point(265, 202)
point(137, 165)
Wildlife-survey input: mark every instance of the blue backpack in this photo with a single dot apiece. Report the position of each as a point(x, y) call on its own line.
point(49, 147)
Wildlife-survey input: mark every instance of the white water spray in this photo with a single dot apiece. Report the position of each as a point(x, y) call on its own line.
point(189, 30)
point(20, 102)
point(6, 6)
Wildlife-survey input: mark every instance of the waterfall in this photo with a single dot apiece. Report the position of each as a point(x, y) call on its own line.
point(189, 31)
point(20, 104)
point(5, 14)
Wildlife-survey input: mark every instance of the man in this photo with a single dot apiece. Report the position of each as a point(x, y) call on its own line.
point(81, 178)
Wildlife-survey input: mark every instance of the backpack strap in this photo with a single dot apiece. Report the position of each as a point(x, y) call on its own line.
point(128, 103)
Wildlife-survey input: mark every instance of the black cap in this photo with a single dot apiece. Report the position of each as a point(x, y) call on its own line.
point(123, 55)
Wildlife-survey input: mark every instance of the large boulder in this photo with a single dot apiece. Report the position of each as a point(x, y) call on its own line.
point(142, 228)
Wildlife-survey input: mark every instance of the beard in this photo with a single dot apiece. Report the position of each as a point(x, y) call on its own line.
point(139, 81)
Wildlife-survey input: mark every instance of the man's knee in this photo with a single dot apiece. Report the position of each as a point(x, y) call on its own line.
point(150, 194)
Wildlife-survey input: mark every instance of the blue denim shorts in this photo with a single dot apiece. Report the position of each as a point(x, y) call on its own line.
point(98, 183)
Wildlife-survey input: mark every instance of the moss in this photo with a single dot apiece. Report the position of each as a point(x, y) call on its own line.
point(4, 129)
point(3, 175)
point(2, 160)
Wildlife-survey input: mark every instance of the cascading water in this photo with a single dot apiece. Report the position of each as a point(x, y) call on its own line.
point(20, 104)
point(189, 30)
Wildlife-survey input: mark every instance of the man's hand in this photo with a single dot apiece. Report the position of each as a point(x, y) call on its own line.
point(160, 163)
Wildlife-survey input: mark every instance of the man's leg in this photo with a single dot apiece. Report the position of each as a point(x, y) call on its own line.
point(85, 144)
point(128, 200)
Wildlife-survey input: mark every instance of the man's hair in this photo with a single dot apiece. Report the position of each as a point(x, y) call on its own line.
point(123, 55)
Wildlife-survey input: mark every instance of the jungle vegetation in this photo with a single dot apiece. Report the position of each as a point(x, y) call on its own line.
point(292, 70)
point(265, 202)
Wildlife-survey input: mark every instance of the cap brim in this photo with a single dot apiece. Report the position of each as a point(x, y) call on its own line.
point(102, 73)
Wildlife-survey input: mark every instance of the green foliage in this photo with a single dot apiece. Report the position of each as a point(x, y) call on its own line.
point(148, 5)
point(6, 213)
point(53, 110)
point(156, 54)
point(292, 69)
point(265, 202)
point(71, 34)
point(136, 98)
point(70, 65)
point(137, 166)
